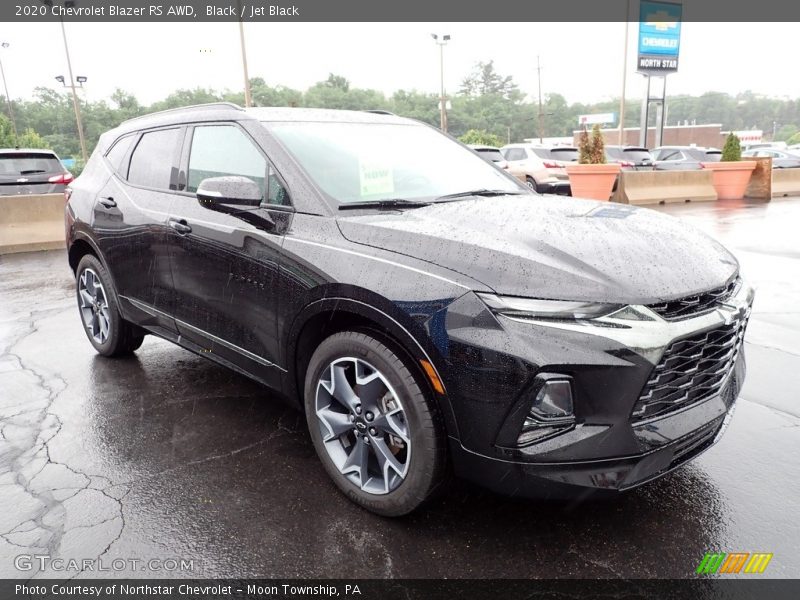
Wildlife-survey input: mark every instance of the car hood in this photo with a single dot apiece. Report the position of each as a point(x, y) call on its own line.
point(554, 247)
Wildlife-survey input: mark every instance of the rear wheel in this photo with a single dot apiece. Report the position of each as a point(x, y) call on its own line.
point(531, 183)
point(376, 432)
point(107, 331)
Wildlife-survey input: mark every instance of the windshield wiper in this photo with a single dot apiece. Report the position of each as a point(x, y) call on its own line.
point(481, 192)
point(32, 171)
point(386, 203)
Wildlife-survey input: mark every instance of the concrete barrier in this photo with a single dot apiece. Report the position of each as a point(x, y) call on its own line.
point(660, 187)
point(29, 223)
point(785, 182)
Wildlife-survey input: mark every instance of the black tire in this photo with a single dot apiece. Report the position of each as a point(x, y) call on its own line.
point(122, 338)
point(426, 470)
point(531, 183)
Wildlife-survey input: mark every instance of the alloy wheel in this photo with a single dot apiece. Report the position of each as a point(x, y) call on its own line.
point(94, 306)
point(363, 425)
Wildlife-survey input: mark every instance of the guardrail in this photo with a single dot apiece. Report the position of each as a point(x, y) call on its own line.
point(29, 223)
point(661, 187)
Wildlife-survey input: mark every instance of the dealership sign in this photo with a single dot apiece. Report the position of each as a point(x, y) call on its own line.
point(600, 119)
point(659, 37)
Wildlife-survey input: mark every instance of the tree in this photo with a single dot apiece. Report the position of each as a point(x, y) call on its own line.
point(481, 137)
point(732, 150)
point(484, 80)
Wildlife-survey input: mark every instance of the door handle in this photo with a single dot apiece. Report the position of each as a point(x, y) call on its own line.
point(108, 202)
point(180, 225)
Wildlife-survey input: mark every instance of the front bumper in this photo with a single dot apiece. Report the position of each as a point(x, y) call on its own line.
point(610, 363)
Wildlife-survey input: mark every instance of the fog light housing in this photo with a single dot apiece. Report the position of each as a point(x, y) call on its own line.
point(551, 412)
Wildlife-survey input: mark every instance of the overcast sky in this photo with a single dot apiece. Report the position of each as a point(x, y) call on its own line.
point(581, 61)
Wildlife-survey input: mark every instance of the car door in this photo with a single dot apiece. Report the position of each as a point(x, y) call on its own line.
point(131, 214)
point(225, 265)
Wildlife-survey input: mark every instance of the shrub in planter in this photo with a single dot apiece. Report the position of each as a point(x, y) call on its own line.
point(592, 177)
point(731, 174)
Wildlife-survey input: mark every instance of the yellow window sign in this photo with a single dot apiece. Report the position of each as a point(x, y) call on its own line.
point(376, 178)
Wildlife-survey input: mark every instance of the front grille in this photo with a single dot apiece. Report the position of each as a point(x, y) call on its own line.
point(691, 370)
point(691, 306)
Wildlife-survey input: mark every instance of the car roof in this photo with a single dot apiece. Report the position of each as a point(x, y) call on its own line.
point(26, 151)
point(482, 147)
point(221, 111)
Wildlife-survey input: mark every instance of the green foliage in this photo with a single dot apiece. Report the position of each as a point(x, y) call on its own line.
point(795, 139)
point(591, 148)
point(487, 101)
point(732, 150)
point(481, 137)
point(30, 139)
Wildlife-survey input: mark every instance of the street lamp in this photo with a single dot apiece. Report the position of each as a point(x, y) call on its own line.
point(5, 45)
point(72, 86)
point(442, 100)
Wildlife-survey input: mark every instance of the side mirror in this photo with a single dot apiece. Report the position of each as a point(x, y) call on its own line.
point(229, 193)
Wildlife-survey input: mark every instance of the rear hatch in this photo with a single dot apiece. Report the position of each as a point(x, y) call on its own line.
point(30, 173)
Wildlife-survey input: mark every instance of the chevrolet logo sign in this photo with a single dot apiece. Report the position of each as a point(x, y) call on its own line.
point(662, 21)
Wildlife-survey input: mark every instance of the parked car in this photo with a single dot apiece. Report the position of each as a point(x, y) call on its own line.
point(670, 158)
point(556, 159)
point(630, 158)
point(492, 154)
point(528, 167)
point(31, 171)
point(781, 159)
point(421, 308)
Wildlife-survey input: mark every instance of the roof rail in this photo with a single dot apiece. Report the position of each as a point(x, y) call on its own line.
point(209, 106)
point(379, 111)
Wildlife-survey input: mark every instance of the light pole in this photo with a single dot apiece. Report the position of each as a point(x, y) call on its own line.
point(541, 112)
point(8, 98)
point(248, 99)
point(72, 86)
point(442, 99)
point(624, 74)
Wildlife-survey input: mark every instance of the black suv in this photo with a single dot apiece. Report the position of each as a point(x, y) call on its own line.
point(425, 314)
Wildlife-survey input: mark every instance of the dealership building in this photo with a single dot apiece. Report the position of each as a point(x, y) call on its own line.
point(678, 135)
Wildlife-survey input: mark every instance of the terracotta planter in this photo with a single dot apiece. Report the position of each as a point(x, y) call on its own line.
point(730, 178)
point(592, 181)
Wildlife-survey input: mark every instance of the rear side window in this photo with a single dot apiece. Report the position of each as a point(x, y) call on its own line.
point(493, 155)
point(541, 152)
point(118, 153)
point(29, 163)
point(670, 155)
point(224, 150)
point(153, 158)
point(515, 154)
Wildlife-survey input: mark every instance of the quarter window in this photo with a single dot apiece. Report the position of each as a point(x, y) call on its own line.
point(118, 153)
point(224, 150)
point(153, 158)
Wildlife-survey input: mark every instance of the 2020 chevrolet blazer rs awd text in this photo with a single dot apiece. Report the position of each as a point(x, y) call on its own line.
point(429, 313)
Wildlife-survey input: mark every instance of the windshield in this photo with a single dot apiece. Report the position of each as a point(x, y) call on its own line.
point(565, 154)
point(29, 163)
point(490, 153)
point(361, 162)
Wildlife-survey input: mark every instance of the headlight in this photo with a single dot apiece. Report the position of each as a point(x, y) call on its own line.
point(546, 309)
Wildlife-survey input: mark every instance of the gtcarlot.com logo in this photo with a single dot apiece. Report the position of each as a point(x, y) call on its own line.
point(734, 562)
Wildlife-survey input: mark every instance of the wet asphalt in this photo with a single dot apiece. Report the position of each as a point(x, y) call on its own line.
point(166, 455)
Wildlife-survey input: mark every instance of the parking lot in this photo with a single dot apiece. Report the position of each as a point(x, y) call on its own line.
point(166, 455)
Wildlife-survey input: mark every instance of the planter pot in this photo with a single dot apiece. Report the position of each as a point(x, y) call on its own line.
point(592, 181)
point(730, 178)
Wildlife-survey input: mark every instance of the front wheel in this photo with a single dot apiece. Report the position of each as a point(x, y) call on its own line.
point(379, 437)
point(107, 331)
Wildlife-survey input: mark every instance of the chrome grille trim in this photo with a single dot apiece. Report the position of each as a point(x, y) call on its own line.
point(691, 306)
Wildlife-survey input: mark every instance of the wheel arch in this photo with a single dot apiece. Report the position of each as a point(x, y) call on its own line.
point(325, 317)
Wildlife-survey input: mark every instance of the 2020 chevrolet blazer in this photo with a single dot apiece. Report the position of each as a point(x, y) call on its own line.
point(428, 316)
